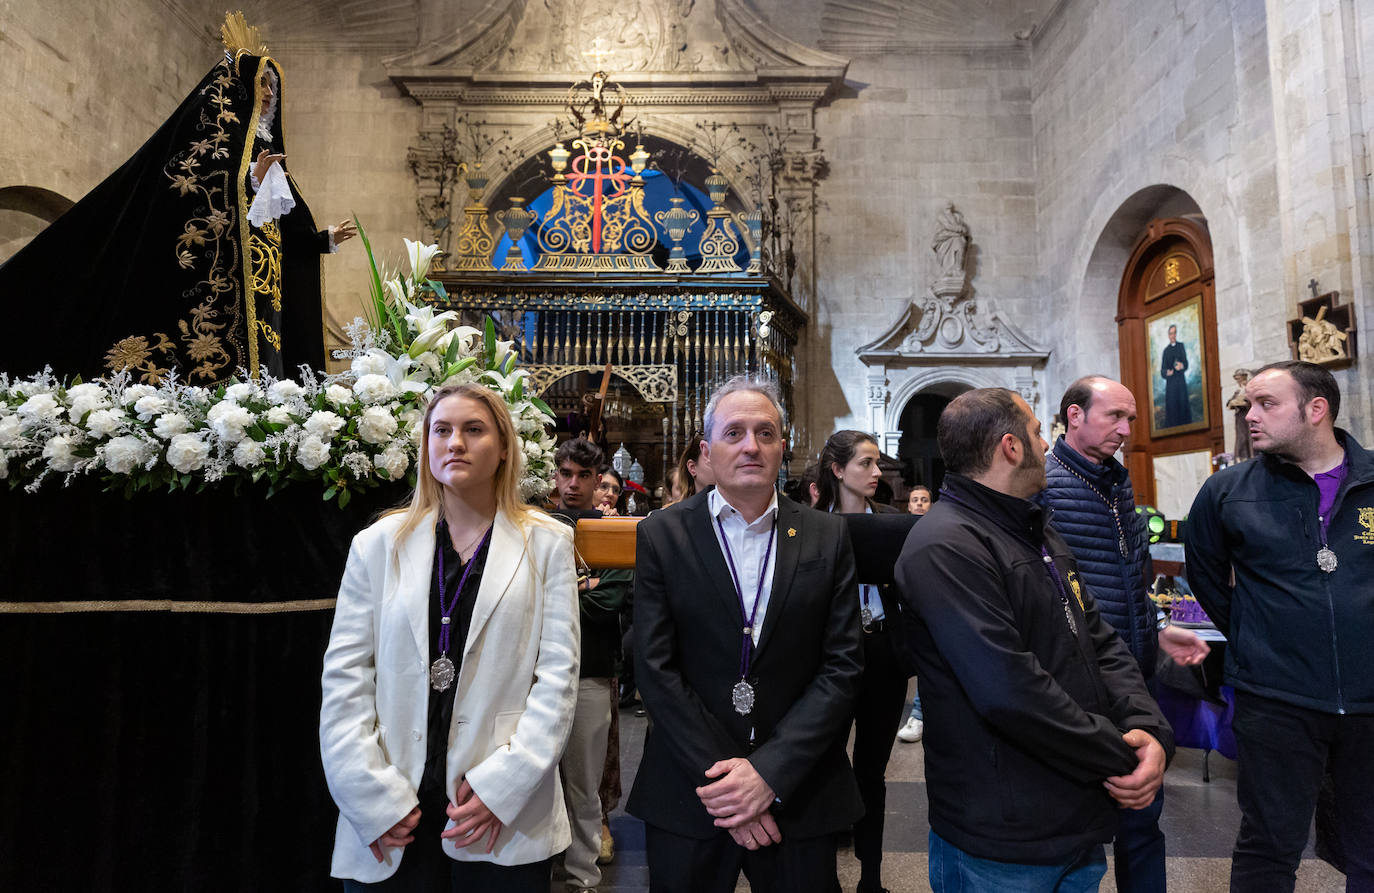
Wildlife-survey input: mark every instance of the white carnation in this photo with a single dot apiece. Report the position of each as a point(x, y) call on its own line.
point(377, 425)
point(105, 422)
point(229, 421)
point(240, 392)
point(374, 389)
point(338, 395)
point(374, 362)
point(197, 395)
point(40, 408)
point(151, 405)
point(249, 454)
point(136, 392)
point(392, 462)
point(278, 415)
point(10, 432)
point(124, 454)
point(60, 453)
point(323, 424)
point(312, 452)
point(187, 452)
point(282, 391)
point(86, 397)
point(170, 425)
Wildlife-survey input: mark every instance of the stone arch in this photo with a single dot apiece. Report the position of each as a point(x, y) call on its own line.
point(946, 381)
point(25, 211)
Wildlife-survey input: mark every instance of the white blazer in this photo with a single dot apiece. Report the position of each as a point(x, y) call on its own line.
point(517, 690)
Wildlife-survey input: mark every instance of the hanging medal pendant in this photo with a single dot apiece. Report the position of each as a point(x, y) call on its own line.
point(1326, 559)
point(1121, 545)
point(441, 673)
point(866, 616)
point(742, 695)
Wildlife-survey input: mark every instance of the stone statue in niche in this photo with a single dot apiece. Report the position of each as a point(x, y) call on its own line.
point(1321, 340)
point(1239, 404)
point(950, 242)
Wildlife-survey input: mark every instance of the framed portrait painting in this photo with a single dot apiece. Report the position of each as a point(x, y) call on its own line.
point(1178, 369)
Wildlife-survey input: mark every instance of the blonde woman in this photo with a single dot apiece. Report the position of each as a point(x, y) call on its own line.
point(451, 673)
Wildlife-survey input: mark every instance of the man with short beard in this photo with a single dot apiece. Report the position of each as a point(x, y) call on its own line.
point(1280, 553)
point(1040, 724)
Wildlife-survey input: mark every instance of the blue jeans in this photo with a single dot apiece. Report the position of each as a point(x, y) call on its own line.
point(916, 707)
point(1139, 849)
point(954, 871)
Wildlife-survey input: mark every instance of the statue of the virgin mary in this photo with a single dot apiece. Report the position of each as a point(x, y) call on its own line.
point(197, 255)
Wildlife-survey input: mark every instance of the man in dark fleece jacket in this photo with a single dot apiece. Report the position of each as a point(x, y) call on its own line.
point(1040, 724)
point(1093, 507)
point(1280, 553)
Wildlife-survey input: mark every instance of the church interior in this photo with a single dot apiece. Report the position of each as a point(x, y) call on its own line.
point(876, 204)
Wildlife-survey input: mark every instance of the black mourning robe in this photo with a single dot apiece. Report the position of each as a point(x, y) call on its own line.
point(157, 268)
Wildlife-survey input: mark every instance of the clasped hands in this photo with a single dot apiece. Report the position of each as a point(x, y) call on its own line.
point(473, 822)
point(1137, 790)
point(739, 800)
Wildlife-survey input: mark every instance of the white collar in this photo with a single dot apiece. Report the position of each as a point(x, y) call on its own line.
point(721, 508)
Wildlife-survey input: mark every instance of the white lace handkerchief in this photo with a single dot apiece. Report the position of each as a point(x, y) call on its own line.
point(274, 198)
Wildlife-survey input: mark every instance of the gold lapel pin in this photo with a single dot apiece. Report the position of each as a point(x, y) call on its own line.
point(791, 531)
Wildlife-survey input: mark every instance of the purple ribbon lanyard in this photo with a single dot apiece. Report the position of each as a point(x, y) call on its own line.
point(747, 647)
point(447, 626)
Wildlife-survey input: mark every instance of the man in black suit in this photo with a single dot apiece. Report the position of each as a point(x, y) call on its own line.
point(747, 657)
point(1173, 366)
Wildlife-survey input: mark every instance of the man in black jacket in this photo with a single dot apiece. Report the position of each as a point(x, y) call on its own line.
point(1296, 529)
point(747, 657)
point(1093, 505)
point(1040, 724)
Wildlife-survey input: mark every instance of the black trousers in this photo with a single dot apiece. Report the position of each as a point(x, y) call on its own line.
point(425, 868)
point(878, 713)
point(1283, 751)
point(686, 865)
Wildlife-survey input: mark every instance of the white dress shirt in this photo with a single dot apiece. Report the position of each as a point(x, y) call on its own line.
point(748, 542)
point(868, 593)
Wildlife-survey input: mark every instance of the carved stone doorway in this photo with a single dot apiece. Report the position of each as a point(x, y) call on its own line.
point(918, 451)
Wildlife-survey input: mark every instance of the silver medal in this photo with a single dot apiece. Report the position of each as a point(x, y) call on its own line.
point(1121, 544)
point(866, 616)
point(441, 673)
point(743, 697)
point(1326, 559)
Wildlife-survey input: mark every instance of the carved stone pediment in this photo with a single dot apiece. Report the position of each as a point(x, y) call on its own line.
point(943, 328)
point(665, 50)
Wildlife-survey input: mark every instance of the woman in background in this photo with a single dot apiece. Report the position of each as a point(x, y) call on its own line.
point(847, 478)
point(451, 672)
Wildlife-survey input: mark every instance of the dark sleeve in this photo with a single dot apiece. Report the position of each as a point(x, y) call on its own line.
point(694, 736)
point(816, 719)
point(962, 598)
point(1164, 363)
point(603, 604)
point(1182, 355)
point(322, 241)
point(1132, 706)
point(1207, 562)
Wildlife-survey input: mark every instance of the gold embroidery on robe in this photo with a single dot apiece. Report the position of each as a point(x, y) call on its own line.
point(264, 247)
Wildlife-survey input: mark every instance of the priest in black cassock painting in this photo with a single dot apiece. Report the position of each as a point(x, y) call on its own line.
point(1173, 367)
point(197, 255)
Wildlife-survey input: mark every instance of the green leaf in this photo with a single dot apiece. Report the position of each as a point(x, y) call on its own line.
point(438, 289)
point(329, 494)
point(489, 340)
point(380, 314)
point(542, 406)
point(518, 391)
point(344, 497)
point(452, 353)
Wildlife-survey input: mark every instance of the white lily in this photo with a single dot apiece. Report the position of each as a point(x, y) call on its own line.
point(395, 292)
point(421, 256)
point(464, 333)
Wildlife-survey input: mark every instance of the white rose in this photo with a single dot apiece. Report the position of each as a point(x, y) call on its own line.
point(377, 425)
point(374, 389)
point(278, 415)
point(187, 452)
point(40, 408)
point(104, 422)
point(249, 454)
point(374, 362)
point(323, 425)
point(59, 453)
point(229, 421)
point(339, 395)
point(124, 454)
point(282, 391)
point(10, 431)
point(170, 425)
point(134, 393)
point(240, 392)
point(151, 405)
point(392, 462)
point(86, 397)
point(312, 452)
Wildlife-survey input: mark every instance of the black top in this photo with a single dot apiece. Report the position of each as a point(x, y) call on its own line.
point(432, 794)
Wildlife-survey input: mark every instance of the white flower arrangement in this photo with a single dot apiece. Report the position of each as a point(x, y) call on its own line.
point(350, 431)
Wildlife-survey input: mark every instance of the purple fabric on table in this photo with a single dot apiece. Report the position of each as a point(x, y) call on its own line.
point(1199, 722)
